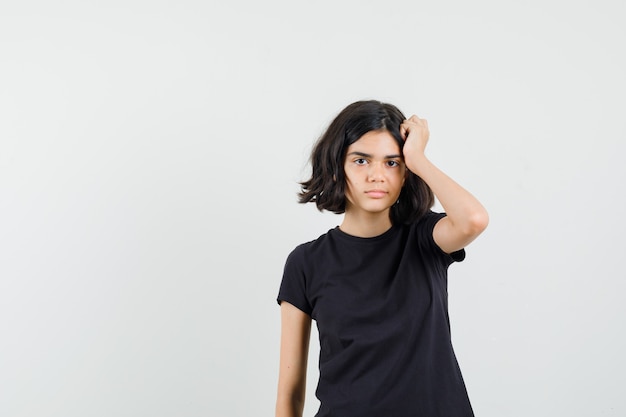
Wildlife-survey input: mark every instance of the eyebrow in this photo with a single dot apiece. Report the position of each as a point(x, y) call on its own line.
point(366, 155)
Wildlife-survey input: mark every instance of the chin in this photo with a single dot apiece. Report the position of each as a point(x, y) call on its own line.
point(376, 208)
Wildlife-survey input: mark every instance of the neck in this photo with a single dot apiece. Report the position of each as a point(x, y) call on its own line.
point(364, 224)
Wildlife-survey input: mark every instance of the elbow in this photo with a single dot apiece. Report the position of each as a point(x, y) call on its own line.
point(477, 222)
point(473, 224)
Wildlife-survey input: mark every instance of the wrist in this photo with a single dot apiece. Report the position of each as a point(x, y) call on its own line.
point(417, 164)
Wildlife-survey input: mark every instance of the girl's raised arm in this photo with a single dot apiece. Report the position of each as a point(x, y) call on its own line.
point(466, 217)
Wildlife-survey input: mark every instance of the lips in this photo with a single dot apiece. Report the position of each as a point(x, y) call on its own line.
point(376, 193)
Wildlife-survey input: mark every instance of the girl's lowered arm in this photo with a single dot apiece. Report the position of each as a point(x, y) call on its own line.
point(294, 351)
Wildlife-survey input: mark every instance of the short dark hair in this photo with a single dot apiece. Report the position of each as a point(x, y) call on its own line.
point(326, 187)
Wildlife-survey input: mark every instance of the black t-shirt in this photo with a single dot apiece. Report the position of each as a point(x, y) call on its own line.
point(381, 307)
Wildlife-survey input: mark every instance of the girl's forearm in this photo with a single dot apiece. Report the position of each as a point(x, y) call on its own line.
point(464, 211)
point(289, 408)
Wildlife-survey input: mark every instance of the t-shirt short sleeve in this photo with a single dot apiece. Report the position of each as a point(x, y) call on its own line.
point(293, 285)
point(425, 226)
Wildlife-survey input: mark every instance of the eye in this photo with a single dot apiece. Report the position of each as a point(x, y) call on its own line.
point(393, 163)
point(360, 161)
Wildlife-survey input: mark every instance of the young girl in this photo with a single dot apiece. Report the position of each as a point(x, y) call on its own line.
point(377, 284)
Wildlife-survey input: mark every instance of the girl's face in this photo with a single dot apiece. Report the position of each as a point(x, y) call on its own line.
point(375, 173)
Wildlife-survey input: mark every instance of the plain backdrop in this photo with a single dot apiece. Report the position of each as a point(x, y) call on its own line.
point(150, 153)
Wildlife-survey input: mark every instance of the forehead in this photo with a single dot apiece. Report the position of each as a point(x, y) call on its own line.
point(376, 143)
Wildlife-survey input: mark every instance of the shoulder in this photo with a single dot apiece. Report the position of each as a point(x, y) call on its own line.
point(429, 219)
point(424, 225)
point(307, 249)
point(423, 229)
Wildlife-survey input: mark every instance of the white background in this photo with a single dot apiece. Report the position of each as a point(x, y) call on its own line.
point(149, 159)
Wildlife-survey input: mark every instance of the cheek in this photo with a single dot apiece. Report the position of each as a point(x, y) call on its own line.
point(349, 187)
point(350, 177)
point(400, 178)
point(400, 183)
point(348, 193)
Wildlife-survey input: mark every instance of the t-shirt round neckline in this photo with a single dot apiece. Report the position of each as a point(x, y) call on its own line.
point(357, 239)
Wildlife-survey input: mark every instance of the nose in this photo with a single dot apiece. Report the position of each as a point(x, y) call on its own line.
point(376, 173)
